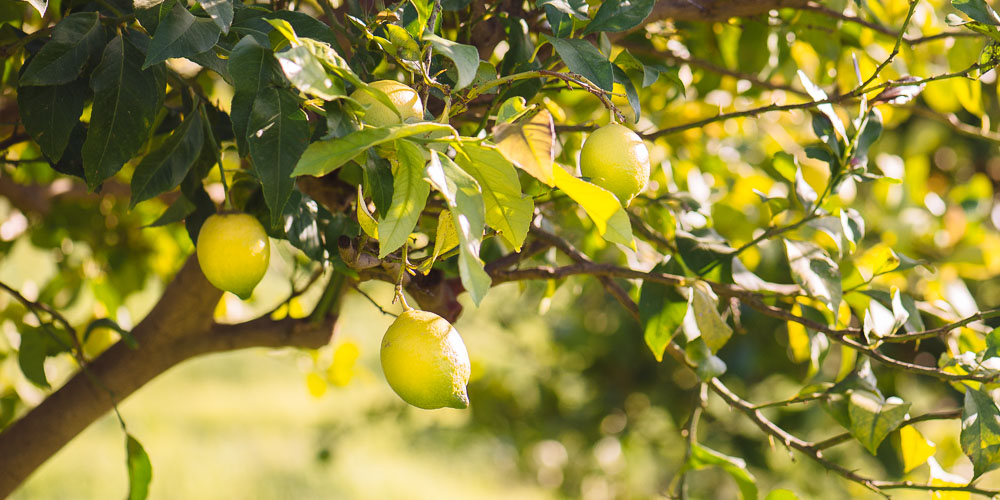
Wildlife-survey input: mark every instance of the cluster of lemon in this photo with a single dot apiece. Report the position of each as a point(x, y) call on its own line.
point(423, 357)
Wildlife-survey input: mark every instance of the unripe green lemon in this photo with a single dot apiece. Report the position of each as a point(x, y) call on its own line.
point(379, 115)
point(616, 159)
point(233, 252)
point(425, 361)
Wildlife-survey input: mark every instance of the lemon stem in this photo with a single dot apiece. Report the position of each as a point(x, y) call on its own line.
point(399, 279)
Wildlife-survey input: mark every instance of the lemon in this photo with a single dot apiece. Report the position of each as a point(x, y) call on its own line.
point(233, 252)
point(616, 159)
point(425, 361)
point(379, 115)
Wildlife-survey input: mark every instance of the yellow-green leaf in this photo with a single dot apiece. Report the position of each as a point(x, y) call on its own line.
point(602, 207)
point(446, 239)
point(365, 218)
point(914, 448)
point(507, 210)
point(529, 145)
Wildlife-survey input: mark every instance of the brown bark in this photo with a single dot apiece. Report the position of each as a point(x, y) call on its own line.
point(179, 327)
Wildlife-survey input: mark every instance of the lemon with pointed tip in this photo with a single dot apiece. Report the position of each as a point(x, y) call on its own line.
point(405, 99)
point(616, 159)
point(425, 361)
point(233, 252)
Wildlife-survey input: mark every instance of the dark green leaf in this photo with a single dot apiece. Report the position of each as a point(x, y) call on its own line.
point(872, 418)
point(252, 67)
point(31, 356)
point(177, 211)
point(978, 10)
point(465, 200)
point(51, 112)
point(980, 436)
point(126, 99)
point(77, 40)
point(277, 134)
point(306, 72)
point(465, 57)
point(582, 58)
point(703, 254)
point(164, 169)
point(301, 224)
point(619, 15)
point(753, 50)
point(574, 8)
point(377, 181)
point(409, 195)
point(661, 309)
point(630, 92)
point(140, 470)
point(221, 12)
point(180, 34)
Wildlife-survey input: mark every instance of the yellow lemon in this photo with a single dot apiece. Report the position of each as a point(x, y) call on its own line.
point(405, 99)
point(233, 252)
point(616, 159)
point(425, 361)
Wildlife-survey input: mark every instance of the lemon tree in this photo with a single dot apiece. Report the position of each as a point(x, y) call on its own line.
point(730, 224)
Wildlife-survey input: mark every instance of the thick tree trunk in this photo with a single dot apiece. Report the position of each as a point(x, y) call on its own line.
point(179, 327)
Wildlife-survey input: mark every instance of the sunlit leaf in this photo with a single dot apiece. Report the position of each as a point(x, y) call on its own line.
point(980, 436)
point(529, 145)
point(323, 157)
point(702, 457)
point(507, 209)
point(872, 418)
point(815, 272)
point(409, 195)
point(661, 309)
point(140, 470)
point(914, 448)
point(603, 207)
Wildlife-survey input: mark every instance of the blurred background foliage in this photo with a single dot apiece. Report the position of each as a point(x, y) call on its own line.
point(567, 401)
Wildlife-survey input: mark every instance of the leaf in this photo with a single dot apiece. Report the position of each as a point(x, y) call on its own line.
point(76, 41)
point(978, 10)
point(529, 145)
point(507, 209)
point(180, 34)
point(827, 109)
point(31, 356)
point(409, 195)
point(661, 310)
point(110, 324)
point(278, 133)
point(619, 15)
point(465, 200)
point(40, 5)
point(126, 100)
point(511, 109)
point(914, 448)
point(707, 365)
point(140, 470)
point(366, 220)
point(583, 59)
point(306, 72)
point(601, 206)
point(815, 272)
point(940, 477)
point(872, 418)
point(252, 67)
point(630, 93)
point(164, 169)
point(980, 436)
point(573, 8)
point(445, 239)
point(901, 92)
point(323, 157)
point(51, 112)
point(221, 12)
point(702, 457)
point(377, 180)
point(804, 192)
point(177, 211)
point(704, 254)
point(302, 219)
point(465, 57)
point(703, 319)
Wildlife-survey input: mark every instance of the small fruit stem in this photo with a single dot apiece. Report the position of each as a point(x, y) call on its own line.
point(218, 156)
point(399, 279)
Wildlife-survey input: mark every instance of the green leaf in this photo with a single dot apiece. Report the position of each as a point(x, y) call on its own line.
point(630, 93)
point(704, 254)
point(409, 195)
point(603, 207)
point(465, 57)
point(705, 318)
point(377, 179)
point(619, 15)
point(277, 135)
point(804, 192)
point(529, 145)
point(815, 272)
point(446, 238)
point(76, 41)
point(252, 67)
point(465, 200)
point(573, 8)
point(301, 225)
point(176, 212)
point(403, 44)
point(980, 436)
point(978, 10)
point(40, 5)
point(31, 356)
point(707, 365)
point(661, 309)
point(323, 157)
point(424, 9)
point(51, 112)
point(702, 457)
point(827, 109)
point(140, 469)
point(752, 52)
point(126, 100)
point(507, 210)
point(781, 494)
point(511, 109)
point(872, 418)
point(221, 12)
point(180, 34)
point(164, 169)
point(583, 59)
point(306, 72)
point(366, 220)
point(110, 324)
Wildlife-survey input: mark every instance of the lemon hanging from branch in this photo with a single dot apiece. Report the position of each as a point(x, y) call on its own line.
point(233, 252)
point(616, 159)
point(425, 361)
